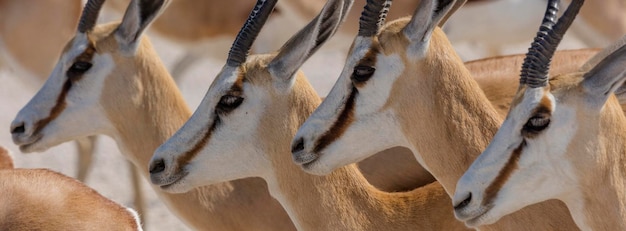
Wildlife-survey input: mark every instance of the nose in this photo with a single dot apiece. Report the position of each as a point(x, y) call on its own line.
point(18, 128)
point(461, 205)
point(157, 166)
point(297, 146)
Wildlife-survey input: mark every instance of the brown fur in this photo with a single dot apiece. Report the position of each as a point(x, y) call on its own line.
point(40, 199)
point(6, 161)
point(511, 165)
point(339, 127)
point(342, 200)
point(189, 155)
point(498, 77)
point(450, 109)
point(597, 154)
point(138, 94)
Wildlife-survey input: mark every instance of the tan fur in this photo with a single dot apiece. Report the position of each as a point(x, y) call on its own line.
point(597, 154)
point(34, 49)
point(138, 94)
point(450, 109)
point(342, 200)
point(6, 161)
point(40, 199)
point(498, 77)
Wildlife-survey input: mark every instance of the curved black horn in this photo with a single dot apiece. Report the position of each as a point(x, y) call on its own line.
point(373, 17)
point(537, 62)
point(90, 15)
point(239, 51)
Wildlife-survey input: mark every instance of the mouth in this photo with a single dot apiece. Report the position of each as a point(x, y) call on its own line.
point(479, 219)
point(306, 159)
point(26, 145)
point(172, 182)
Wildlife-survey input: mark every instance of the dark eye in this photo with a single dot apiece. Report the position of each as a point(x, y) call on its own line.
point(229, 102)
point(536, 124)
point(78, 68)
point(362, 73)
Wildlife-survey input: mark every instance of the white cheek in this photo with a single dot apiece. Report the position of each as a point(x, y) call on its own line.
point(84, 113)
point(235, 150)
point(375, 93)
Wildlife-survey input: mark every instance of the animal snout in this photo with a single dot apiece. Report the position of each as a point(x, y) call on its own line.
point(463, 204)
point(157, 166)
point(297, 146)
point(18, 128)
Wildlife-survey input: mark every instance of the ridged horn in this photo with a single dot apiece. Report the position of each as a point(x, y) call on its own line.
point(248, 33)
point(537, 62)
point(90, 15)
point(373, 17)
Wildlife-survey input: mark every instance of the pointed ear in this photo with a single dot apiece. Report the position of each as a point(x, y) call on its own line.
point(458, 4)
point(427, 16)
point(302, 45)
point(606, 77)
point(138, 16)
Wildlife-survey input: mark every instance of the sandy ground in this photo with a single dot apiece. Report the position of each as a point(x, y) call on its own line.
point(109, 175)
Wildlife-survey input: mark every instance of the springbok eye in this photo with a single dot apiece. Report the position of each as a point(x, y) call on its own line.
point(536, 124)
point(362, 73)
point(78, 68)
point(228, 103)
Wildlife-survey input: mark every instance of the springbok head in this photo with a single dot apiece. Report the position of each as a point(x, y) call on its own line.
point(226, 137)
point(71, 103)
point(551, 122)
point(362, 104)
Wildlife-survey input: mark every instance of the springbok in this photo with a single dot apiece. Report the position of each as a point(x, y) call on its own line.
point(244, 125)
point(110, 81)
point(40, 199)
point(31, 57)
point(562, 139)
point(405, 86)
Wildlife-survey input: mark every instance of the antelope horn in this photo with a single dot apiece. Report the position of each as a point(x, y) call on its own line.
point(248, 33)
point(537, 62)
point(373, 17)
point(90, 15)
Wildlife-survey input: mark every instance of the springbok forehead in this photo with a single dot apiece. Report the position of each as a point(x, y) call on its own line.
point(229, 79)
point(361, 48)
point(76, 47)
point(530, 100)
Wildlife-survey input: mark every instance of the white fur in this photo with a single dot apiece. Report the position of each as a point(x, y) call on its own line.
point(228, 155)
point(369, 112)
point(543, 171)
point(79, 118)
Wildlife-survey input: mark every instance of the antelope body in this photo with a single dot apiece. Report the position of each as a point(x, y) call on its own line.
point(30, 56)
point(40, 199)
point(110, 81)
point(243, 127)
point(562, 139)
point(405, 86)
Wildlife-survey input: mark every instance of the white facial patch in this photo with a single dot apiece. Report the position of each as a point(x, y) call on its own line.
point(82, 114)
point(232, 149)
point(374, 94)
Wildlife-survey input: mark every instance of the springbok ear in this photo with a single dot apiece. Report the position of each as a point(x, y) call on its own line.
point(138, 16)
point(458, 4)
point(427, 16)
point(303, 44)
point(606, 77)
